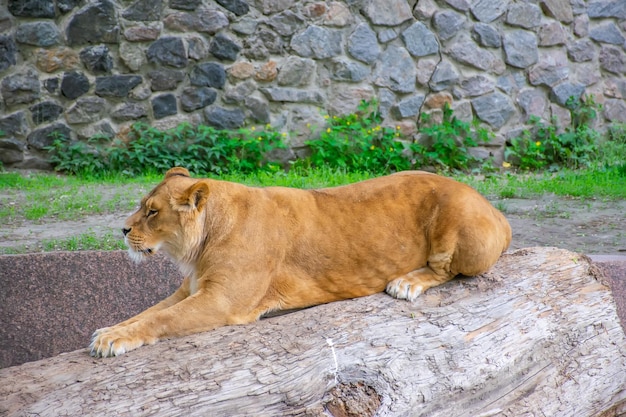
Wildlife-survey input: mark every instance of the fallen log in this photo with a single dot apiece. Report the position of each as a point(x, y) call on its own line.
point(538, 335)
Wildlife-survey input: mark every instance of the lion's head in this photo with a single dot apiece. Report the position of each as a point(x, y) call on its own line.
point(170, 218)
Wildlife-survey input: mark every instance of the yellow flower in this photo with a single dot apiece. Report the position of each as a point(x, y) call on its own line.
point(390, 149)
point(308, 125)
point(268, 126)
point(372, 147)
point(284, 134)
point(538, 143)
point(259, 138)
point(328, 130)
point(397, 127)
point(253, 128)
point(506, 165)
point(348, 123)
point(325, 116)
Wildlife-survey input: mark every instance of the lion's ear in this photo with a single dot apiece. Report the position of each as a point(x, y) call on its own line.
point(177, 171)
point(193, 198)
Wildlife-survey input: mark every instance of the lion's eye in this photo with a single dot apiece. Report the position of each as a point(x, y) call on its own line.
point(152, 213)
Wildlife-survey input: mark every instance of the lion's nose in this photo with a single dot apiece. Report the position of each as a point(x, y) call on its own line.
point(125, 231)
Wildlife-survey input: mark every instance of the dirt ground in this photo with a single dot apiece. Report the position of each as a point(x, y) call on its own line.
point(585, 226)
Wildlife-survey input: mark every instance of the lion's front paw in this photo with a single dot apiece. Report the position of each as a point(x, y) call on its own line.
point(114, 341)
point(404, 289)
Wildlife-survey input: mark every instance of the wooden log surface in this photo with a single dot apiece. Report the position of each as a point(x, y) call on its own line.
point(538, 335)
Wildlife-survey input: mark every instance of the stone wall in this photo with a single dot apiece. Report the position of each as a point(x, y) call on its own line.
point(86, 67)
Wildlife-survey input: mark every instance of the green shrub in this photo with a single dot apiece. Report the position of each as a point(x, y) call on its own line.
point(201, 149)
point(446, 145)
point(358, 143)
point(543, 147)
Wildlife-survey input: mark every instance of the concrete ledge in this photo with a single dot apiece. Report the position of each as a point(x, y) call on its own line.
point(52, 302)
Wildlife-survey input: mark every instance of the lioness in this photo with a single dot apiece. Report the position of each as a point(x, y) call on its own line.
point(248, 251)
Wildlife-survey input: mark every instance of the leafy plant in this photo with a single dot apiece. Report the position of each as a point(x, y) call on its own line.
point(446, 145)
point(202, 149)
point(358, 142)
point(544, 147)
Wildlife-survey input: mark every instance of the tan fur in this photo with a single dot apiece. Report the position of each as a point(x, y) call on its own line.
point(248, 251)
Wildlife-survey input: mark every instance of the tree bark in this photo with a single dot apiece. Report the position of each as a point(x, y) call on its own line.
point(538, 335)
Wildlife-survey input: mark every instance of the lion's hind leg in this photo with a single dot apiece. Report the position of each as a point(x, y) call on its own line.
point(412, 285)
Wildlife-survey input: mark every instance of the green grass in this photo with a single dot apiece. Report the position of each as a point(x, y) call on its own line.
point(40, 198)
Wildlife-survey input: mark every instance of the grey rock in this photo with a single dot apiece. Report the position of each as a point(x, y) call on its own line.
point(274, 6)
point(129, 111)
point(11, 150)
point(409, 107)
point(342, 69)
point(511, 82)
point(614, 87)
point(487, 35)
point(238, 7)
point(419, 40)
point(488, 10)
point(296, 71)
point(386, 100)
point(345, 99)
point(132, 55)
point(520, 48)
point(462, 5)
point(165, 79)
point(387, 12)
point(607, 33)
point(164, 105)
point(74, 84)
point(46, 111)
point(41, 33)
point(533, 102)
point(245, 26)
point(97, 59)
point(551, 69)
point(67, 5)
point(263, 43)
point(396, 70)
point(258, 110)
point(41, 138)
point(615, 110)
point(31, 8)
point(198, 47)
point(116, 85)
point(467, 52)
point(561, 93)
point(94, 23)
point(495, 109)
point(14, 124)
point(560, 10)
point(168, 50)
point(185, 4)
point(581, 26)
point(292, 95)
point(208, 74)
point(21, 88)
point(552, 34)
point(86, 110)
point(224, 48)
point(387, 35)
point(607, 8)
point(224, 119)
point(526, 15)
point(203, 20)
point(197, 98)
point(448, 23)
point(612, 59)
point(582, 50)
point(8, 52)
point(476, 85)
point(238, 93)
point(445, 76)
point(317, 42)
point(52, 85)
point(425, 69)
point(144, 11)
point(103, 130)
point(362, 44)
point(286, 23)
